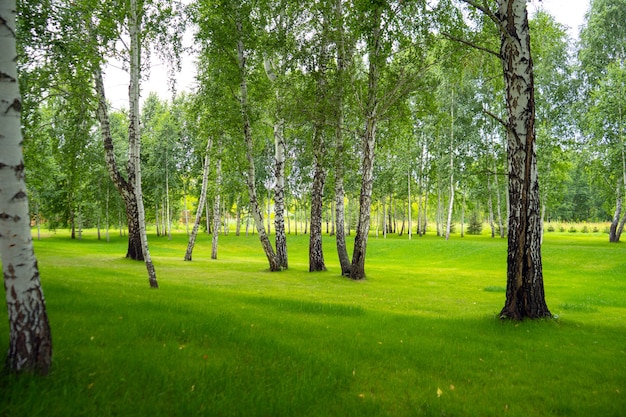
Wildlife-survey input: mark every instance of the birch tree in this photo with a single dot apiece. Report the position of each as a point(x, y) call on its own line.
point(603, 59)
point(228, 36)
point(201, 202)
point(525, 296)
point(338, 100)
point(396, 57)
point(30, 343)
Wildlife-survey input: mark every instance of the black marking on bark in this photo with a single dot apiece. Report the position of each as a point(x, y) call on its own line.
point(11, 272)
point(20, 195)
point(7, 78)
point(4, 22)
point(16, 105)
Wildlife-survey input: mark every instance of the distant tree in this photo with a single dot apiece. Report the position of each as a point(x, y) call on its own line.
point(603, 61)
point(30, 344)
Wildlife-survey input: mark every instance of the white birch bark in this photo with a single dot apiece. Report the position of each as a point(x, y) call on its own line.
point(216, 207)
point(340, 234)
point(30, 344)
point(357, 269)
point(201, 202)
point(255, 207)
point(451, 155)
point(525, 292)
point(409, 201)
point(134, 138)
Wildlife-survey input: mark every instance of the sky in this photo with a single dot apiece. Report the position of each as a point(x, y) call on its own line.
point(567, 12)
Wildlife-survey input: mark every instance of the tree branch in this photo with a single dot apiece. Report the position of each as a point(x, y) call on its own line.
point(471, 44)
point(485, 9)
point(496, 118)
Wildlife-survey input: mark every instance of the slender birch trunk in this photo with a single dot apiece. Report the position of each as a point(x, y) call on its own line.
point(201, 202)
point(340, 234)
point(30, 342)
point(279, 195)
point(490, 207)
point(134, 137)
point(238, 226)
point(451, 155)
point(357, 269)
point(410, 225)
point(216, 205)
point(255, 208)
point(316, 253)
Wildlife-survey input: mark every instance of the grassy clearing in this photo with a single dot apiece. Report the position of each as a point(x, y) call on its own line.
point(419, 337)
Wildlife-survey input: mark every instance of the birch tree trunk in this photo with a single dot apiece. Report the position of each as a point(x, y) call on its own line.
point(255, 208)
point(357, 269)
point(490, 207)
point(525, 296)
point(134, 138)
point(408, 186)
point(216, 205)
point(316, 253)
point(201, 202)
point(279, 195)
point(123, 186)
point(613, 236)
point(30, 343)
point(451, 155)
point(340, 236)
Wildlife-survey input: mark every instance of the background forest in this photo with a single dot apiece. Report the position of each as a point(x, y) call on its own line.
point(440, 148)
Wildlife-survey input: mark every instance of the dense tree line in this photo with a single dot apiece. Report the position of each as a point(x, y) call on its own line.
point(357, 113)
point(308, 75)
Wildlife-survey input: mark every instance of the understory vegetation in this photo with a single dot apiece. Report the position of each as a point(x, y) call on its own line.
point(419, 337)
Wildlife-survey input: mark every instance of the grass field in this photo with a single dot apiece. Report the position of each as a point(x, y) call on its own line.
point(419, 337)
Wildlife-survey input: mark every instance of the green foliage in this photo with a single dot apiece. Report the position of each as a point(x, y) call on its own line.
point(475, 226)
point(416, 338)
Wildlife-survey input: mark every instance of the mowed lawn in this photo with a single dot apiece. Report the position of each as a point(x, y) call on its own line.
point(419, 337)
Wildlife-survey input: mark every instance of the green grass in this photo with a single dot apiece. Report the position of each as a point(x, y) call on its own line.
point(419, 337)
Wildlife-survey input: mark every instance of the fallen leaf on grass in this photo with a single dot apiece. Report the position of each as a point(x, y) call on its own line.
point(439, 392)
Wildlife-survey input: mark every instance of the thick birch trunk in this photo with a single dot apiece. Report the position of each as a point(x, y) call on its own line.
point(201, 202)
point(525, 292)
point(30, 343)
point(255, 207)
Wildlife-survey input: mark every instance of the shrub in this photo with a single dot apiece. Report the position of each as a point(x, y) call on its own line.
point(572, 229)
point(585, 229)
point(550, 228)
